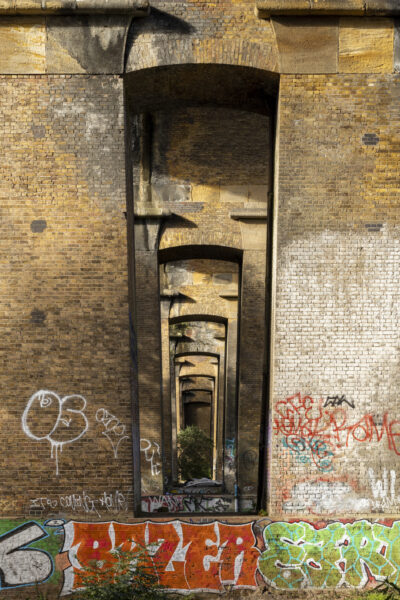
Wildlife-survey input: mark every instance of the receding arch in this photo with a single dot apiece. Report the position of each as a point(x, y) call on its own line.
point(196, 210)
point(199, 317)
point(209, 251)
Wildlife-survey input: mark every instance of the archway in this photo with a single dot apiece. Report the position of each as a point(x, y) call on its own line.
point(202, 146)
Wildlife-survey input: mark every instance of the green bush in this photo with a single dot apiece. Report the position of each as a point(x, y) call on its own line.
point(194, 453)
point(130, 577)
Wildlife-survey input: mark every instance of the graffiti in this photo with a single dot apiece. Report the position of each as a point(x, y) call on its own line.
point(249, 458)
point(298, 555)
point(325, 497)
point(110, 502)
point(60, 421)
point(314, 450)
point(338, 401)
point(208, 557)
point(114, 430)
point(307, 426)
point(151, 455)
point(185, 557)
point(184, 503)
point(384, 489)
point(19, 564)
point(230, 454)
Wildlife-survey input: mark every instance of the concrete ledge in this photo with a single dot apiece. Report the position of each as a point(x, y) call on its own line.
point(379, 8)
point(46, 7)
point(249, 214)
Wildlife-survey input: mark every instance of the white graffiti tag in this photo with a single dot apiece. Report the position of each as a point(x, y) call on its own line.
point(59, 420)
point(111, 502)
point(114, 430)
point(149, 452)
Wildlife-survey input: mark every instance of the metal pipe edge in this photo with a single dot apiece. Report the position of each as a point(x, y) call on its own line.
point(374, 8)
point(135, 8)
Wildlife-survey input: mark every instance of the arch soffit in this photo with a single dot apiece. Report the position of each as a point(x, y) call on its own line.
point(187, 83)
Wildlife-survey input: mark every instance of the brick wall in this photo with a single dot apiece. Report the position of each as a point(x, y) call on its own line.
point(337, 296)
point(63, 295)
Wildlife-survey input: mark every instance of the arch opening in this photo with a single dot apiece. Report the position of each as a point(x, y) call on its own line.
point(202, 179)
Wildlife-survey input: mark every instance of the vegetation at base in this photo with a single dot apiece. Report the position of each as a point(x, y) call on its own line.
point(384, 591)
point(130, 576)
point(194, 453)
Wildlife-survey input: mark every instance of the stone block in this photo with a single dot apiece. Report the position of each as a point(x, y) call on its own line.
point(86, 43)
point(234, 193)
point(205, 193)
point(59, 60)
point(258, 193)
point(22, 45)
point(366, 45)
point(307, 45)
point(336, 6)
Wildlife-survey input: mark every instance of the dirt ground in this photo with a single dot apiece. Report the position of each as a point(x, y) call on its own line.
point(268, 593)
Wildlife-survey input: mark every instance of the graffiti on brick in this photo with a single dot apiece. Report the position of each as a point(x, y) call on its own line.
point(152, 455)
point(185, 557)
point(21, 565)
point(184, 503)
point(312, 431)
point(338, 401)
point(230, 454)
point(211, 557)
point(299, 555)
point(385, 489)
point(82, 502)
point(310, 450)
point(60, 421)
point(113, 429)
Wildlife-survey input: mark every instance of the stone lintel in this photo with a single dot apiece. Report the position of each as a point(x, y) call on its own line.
point(378, 8)
point(148, 210)
point(51, 7)
point(249, 214)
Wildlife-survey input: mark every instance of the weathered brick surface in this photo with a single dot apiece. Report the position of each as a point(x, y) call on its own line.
point(63, 288)
point(337, 320)
point(193, 31)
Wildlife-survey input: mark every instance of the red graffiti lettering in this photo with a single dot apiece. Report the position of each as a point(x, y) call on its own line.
point(184, 556)
point(238, 555)
point(313, 429)
point(169, 554)
point(203, 556)
point(92, 542)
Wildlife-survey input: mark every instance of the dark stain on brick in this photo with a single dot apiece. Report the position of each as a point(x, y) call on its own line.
point(373, 226)
point(38, 225)
point(38, 131)
point(370, 139)
point(38, 316)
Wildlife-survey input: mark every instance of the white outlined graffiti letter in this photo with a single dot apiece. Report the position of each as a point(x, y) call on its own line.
point(59, 420)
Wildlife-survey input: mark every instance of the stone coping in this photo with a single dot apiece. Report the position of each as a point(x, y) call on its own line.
point(45, 7)
point(383, 8)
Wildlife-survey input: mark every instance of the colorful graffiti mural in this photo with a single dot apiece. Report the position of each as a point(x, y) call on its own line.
point(186, 557)
point(312, 429)
point(205, 557)
point(28, 551)
point(300, 555)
